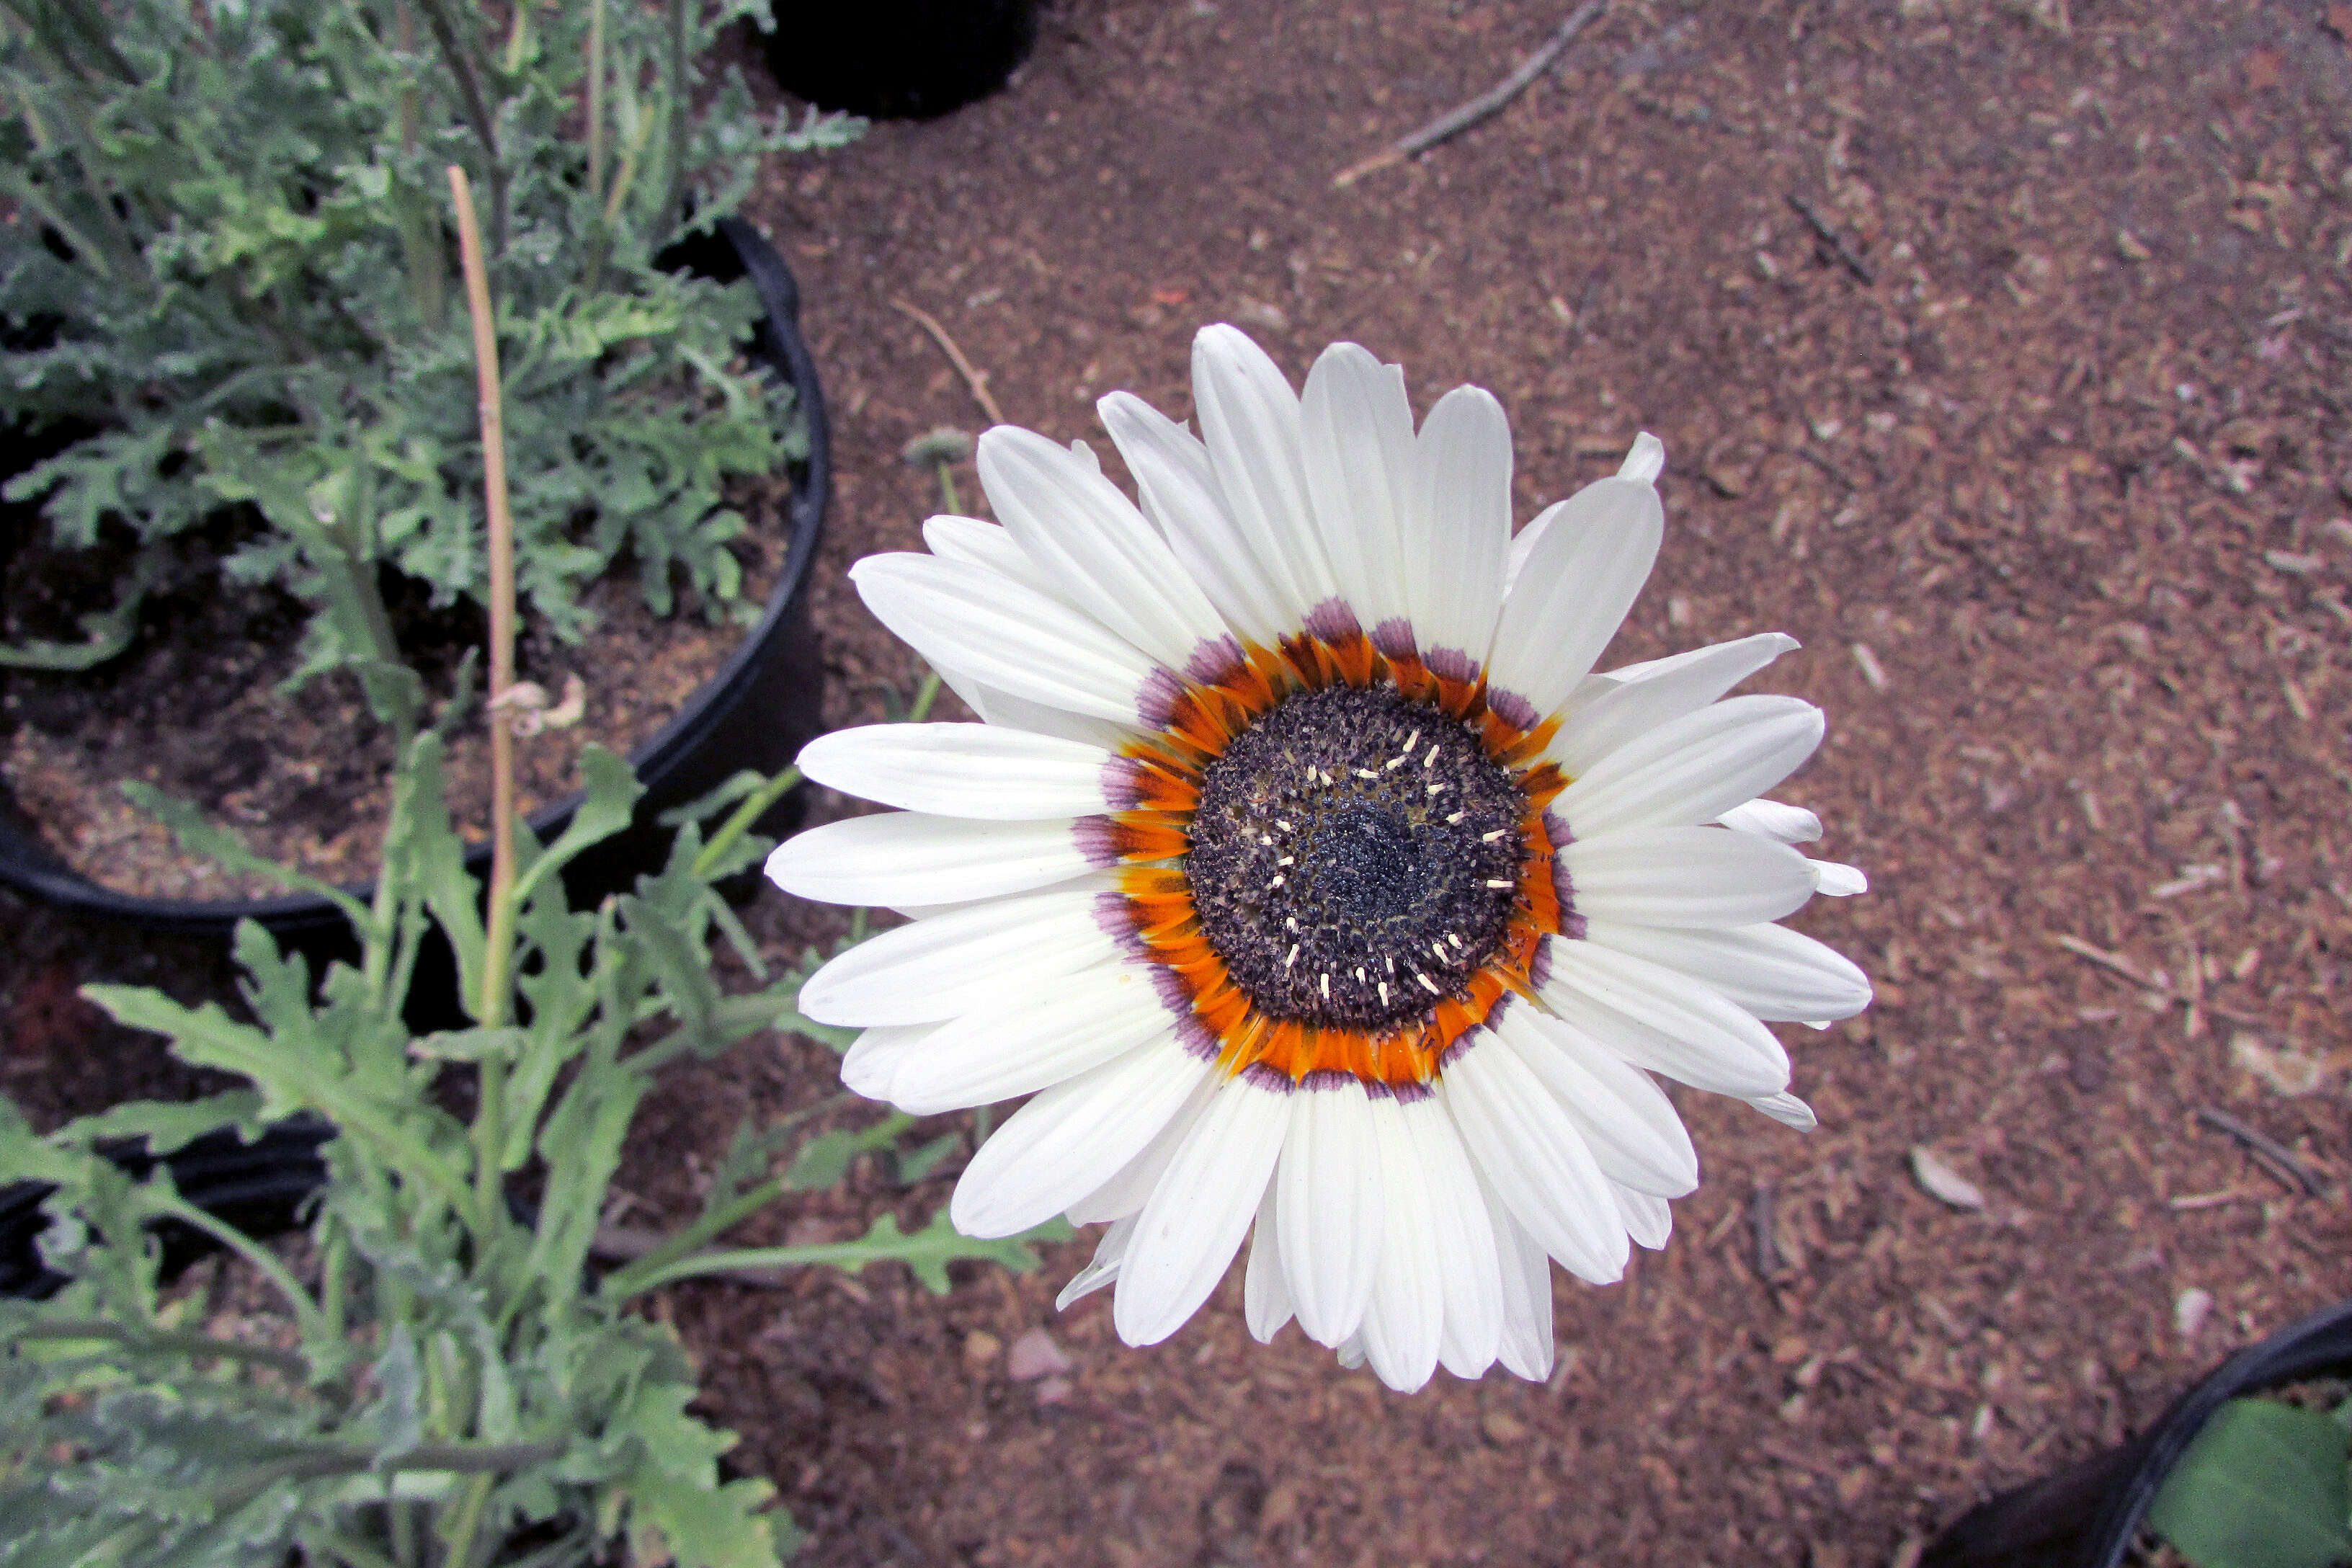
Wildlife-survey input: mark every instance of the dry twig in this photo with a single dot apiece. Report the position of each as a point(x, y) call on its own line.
point(2268, 1153)
point(2113, 962)
point(975, 379)
point(2117, 965)
point(1834, 239)
point(1455, 120)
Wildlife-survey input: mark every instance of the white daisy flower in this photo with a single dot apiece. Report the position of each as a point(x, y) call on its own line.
point(1308, 877)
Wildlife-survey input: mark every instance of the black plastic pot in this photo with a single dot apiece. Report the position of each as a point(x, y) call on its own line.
point(2086, 1516)
point(756, 712)
point(898, 59)
point(258, 1187)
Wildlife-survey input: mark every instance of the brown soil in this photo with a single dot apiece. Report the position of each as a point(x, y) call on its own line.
point(197, 709)
point(2057, 500)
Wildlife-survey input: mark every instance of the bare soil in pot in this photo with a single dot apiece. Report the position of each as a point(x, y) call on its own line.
point(196, 709)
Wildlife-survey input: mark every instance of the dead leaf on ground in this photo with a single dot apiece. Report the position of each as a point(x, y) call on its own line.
point(2282, 1067)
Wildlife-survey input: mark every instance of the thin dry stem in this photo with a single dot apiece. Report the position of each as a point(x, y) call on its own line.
point(492, 1010)
point(1492, 101)
point(975, 379)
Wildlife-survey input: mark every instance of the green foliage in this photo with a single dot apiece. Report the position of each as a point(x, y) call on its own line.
point(235, 218)
point(2263, 1485)
point(451, 1385)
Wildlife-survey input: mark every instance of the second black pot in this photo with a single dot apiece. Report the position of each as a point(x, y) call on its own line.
point(2086, 1516)
point(898, 60)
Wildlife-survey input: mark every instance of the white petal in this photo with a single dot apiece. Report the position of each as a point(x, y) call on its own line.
point(1787, 1110)
point(935, 968)
point(1630, 1125)
point(1124, 1195)
point(1838, 882)
point(1649, 1219)
point(874, 1058)
point(1788, 823)
point(1457, 531)
point(1628, 707)
point(1101, 881)
point(1692, 769)
point(975, 696)
point(1685, 877)
point(1328, 1207)
point(1645, 461)
point(1193, 1223)
point(1528, 1344)
point(1469, 1274)
point(1021, 1039)
point(1180, 494)
point(1357, 428)
point(1535, 1158)
point(1006, 635)
point(962, 769)
point(1266, 1289)
point(1768, 970)
point(1089, 539)
point(1352, 1355)
point(1657, 1019)
point(1405, 1320)
point(1583, 561)
point(987, 545)
point(1071, 1139)
point(1109, 1254)
point(1249, 421)
point(909, 858)
point(1002, 708)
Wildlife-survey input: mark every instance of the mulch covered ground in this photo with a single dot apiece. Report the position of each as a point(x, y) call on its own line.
point(1998, 350)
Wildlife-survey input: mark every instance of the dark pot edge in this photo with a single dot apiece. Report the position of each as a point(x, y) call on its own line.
point(2109, 1494)
point(29, 868)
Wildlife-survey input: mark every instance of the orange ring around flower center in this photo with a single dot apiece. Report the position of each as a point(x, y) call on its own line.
point(1165, 772)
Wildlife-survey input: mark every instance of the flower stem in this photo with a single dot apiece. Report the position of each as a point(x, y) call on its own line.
point(739, 821)
point(458, 55)
point(673, 208)
point(732, 1259)
point(306, 1311)
point(499, 948)
point(285, 1362)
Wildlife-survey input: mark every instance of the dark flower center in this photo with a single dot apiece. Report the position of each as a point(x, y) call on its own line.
point(1354, 856)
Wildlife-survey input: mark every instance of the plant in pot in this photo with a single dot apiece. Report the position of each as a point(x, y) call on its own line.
point(231, 269)
point(2246, 1470)
point(443, 1373)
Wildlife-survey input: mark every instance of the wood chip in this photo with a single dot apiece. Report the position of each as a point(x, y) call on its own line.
point(1944, 1183)
point(1872, 670)
point(1034, 1355)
